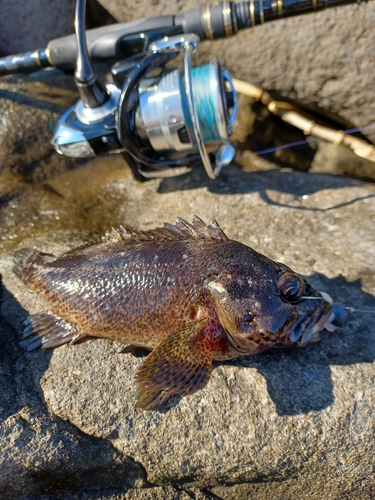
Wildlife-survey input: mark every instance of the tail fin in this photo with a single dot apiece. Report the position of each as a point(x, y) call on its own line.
point(47, 330)
point(21, 258)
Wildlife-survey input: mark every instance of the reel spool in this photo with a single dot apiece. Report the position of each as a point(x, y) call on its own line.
point(163, 116)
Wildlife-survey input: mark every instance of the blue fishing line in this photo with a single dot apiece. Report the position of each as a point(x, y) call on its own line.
point(204, 102)
point(306, 141)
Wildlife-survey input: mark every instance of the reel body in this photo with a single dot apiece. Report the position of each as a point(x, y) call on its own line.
point(164, 117)
point(159, 117)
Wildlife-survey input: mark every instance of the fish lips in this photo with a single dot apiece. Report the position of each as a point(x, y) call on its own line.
point(303, 330)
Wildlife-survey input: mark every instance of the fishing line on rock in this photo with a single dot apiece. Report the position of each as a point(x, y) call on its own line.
point(302, 142)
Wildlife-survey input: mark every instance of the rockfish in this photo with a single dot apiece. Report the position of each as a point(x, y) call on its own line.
point(184, 291)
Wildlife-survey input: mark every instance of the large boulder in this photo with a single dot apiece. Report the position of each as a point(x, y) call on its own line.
point(28, 26)
point(282, 424)
point(323, 61)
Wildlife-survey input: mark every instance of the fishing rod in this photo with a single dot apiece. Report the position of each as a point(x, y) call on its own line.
point(159, 117)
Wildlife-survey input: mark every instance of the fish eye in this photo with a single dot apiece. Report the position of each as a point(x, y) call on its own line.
point(290, 286)
point(248, 318)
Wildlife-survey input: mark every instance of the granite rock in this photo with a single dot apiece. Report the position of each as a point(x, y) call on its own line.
point(302, 417)
point(282, 424)
point(322, 61)
point(30, 25)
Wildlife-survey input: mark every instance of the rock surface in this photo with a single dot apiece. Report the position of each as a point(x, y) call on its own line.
point(27, 26)
point(324, 61)
point(278, 425)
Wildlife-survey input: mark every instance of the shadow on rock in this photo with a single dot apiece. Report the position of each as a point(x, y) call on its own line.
point(233, 180)
point(15, 385)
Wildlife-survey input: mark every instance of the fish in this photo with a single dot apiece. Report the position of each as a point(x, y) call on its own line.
point(184, 291)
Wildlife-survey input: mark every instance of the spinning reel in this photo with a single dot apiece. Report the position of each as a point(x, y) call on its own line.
point(159, 116)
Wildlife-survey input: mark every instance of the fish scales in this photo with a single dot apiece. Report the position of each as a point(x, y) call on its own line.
point(186, 291)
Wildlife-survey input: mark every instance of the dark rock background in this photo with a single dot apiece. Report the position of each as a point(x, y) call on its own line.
point(323, 61)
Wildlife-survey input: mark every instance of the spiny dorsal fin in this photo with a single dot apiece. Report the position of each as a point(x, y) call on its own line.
point(180, 230)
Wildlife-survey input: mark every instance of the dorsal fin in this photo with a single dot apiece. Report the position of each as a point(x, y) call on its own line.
point(180, 230)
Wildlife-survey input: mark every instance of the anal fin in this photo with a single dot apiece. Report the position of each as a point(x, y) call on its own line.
point(47, 330)
point(134, 349)
point(180, 365)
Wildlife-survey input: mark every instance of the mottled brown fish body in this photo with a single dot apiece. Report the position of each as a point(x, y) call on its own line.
point(185, 290)
point(137, 292)
point(133, 292)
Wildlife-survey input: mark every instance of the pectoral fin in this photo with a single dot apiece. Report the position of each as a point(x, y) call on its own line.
point(181, 364)
point(150, 399)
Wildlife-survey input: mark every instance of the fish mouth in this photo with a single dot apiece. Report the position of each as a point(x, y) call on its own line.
point(306, 328)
